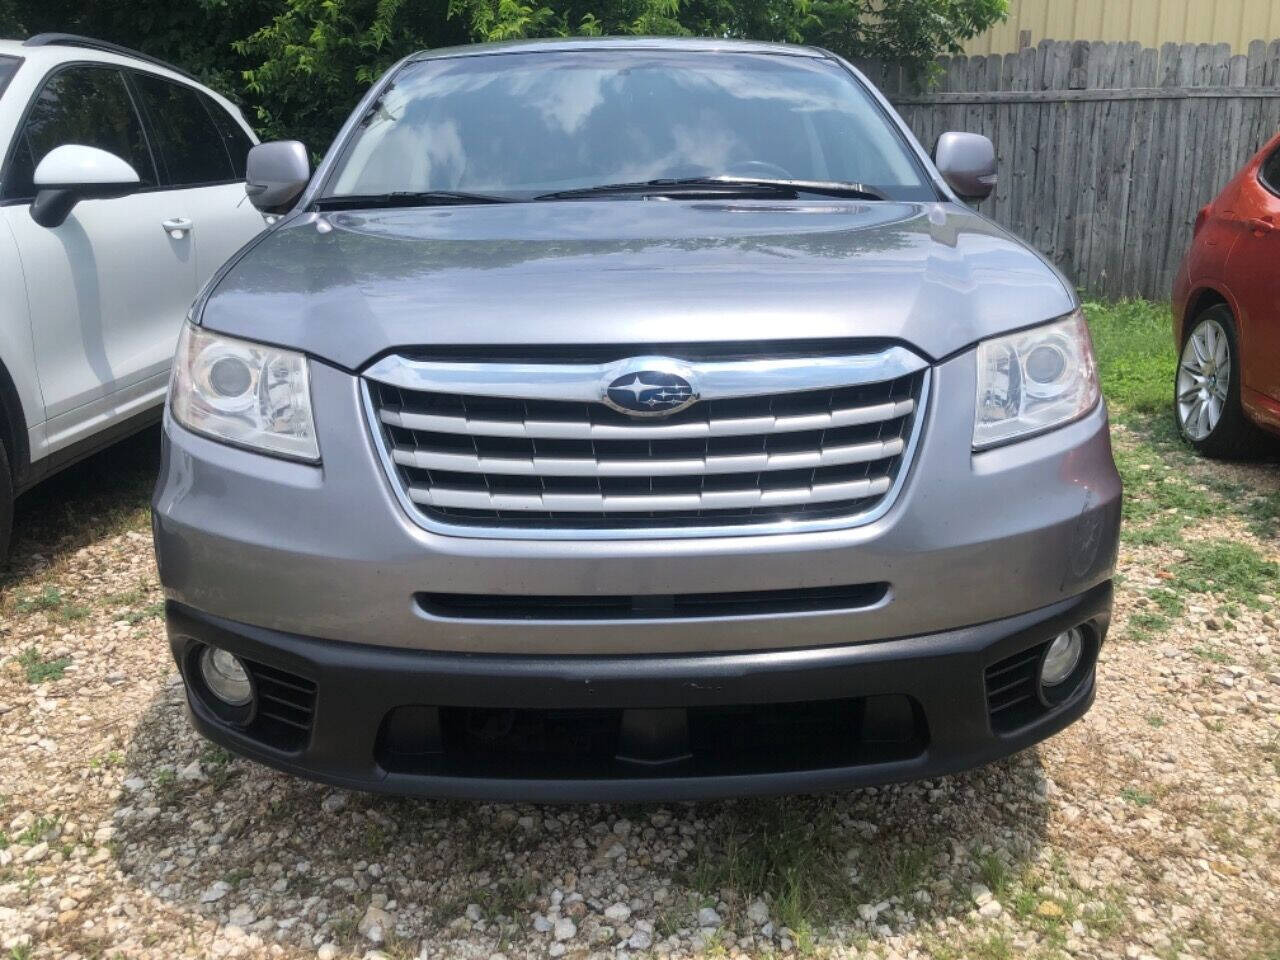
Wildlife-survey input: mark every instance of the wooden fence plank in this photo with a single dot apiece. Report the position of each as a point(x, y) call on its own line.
point(1106, 151)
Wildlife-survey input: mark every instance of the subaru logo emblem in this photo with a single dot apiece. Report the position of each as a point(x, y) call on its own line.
point(649, 387)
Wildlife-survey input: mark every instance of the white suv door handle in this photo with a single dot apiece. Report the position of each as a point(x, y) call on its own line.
point(176, 227)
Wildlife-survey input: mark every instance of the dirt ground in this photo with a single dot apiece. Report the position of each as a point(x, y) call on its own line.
point(1149, 829)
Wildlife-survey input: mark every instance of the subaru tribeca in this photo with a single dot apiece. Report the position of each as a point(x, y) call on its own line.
point(633, 419)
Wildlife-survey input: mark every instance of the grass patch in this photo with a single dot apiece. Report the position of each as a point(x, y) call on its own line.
point(150, 612)
point(1235, 571)
point(113, 758)
point(994, 873)
point(1143, 627)
point(1136, 358)
point(41, 670)
point(1167, 486)
point(1213, 656)
point(39, 830)
point(796, 859)
point(1137, 797)
point(51, 601)
point(506, 898)
point(50, 598)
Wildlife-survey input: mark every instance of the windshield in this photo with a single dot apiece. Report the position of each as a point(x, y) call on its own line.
point(8, 67)
point(520, 125)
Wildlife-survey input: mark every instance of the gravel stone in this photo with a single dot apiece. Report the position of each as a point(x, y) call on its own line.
point(617, 913)
point(1147, 829)
point(375, 924)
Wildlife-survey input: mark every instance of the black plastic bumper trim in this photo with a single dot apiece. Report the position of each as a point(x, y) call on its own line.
point(359, 684)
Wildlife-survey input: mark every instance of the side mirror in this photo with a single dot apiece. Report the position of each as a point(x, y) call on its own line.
point(73, 172)
point(967, 161)
point(277, 173)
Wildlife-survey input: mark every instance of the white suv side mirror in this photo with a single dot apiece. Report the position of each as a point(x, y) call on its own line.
point(73, 172)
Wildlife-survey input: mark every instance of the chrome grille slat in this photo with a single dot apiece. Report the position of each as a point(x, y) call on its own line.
point(571, 430)
point(600, 503)
point(769, 447)
point(557, 467)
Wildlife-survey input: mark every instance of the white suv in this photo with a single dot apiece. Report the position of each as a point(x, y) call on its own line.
point(121, 192)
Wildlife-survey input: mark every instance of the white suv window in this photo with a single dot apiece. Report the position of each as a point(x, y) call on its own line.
point(8, 67)
point(83, 104)
point(190, 148)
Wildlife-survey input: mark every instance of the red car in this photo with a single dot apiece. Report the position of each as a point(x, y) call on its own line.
point(1226, 316)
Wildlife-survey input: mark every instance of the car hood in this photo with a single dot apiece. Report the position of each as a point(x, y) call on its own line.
point(346, 287)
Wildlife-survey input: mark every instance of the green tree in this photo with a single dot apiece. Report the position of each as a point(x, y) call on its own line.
point(299, 66)
point(197, 35)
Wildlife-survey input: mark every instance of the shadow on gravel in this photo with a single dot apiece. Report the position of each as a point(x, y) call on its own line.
point(247, 845)
point(93, 498)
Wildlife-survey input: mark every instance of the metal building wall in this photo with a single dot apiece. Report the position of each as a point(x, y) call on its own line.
point(1149, 22)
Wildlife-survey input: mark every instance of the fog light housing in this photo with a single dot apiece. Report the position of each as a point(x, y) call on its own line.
point(225, 677)
point(1062, 657)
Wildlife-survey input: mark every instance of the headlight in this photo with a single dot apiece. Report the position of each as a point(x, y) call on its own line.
point(243, 393)
point(1031, 381)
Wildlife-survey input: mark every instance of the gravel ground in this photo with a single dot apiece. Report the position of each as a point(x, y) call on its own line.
point(1149, 829)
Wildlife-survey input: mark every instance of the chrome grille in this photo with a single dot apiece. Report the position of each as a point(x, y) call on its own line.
point(495, 449)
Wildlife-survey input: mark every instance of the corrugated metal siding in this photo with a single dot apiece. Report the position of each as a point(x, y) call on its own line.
point(1150, 22)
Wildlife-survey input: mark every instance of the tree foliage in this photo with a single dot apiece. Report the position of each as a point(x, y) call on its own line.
point(298, 66)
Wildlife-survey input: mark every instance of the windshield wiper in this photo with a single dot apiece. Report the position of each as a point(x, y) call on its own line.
point(714, 186)
point(405, 198)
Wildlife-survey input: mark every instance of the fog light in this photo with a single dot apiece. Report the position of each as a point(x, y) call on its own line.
point(1062, 657)
point(225, 676)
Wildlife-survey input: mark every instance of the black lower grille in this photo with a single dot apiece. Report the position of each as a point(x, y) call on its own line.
point(475, 606)
point(1013, 699)
point(285, 707)
point(613, 743)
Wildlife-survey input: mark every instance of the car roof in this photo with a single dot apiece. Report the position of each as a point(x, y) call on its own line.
point(563, 45)
point(53, 49)
point(48, 49)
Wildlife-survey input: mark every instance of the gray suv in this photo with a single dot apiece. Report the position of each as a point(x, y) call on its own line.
point(633, 419)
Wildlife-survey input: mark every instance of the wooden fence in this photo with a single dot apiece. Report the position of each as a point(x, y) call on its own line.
point(1106, 150)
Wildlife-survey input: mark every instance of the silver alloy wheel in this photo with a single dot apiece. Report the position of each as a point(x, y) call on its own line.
point(1204, 374)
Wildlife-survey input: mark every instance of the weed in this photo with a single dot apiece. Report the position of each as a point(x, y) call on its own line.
point(51, 601)
point(793, 860)
point(37, 831)
point(994, 873)
point(152, 611)
point(998, 946)
point(1235, 571)
point(114, 758)
point(40, 670)
point(1137, 797)
point(1213, 656)
point(1144, 626)
point(506, 898)
point(50, 598)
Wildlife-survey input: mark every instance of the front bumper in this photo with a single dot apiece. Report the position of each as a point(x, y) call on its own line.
point(402, 721)
point(328, 551)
